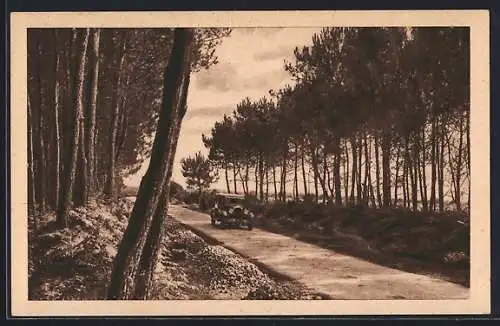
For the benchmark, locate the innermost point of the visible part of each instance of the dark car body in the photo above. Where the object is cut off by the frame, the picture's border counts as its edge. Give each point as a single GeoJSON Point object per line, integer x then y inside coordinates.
{"type": "Point", "coordinates": [229, 211]}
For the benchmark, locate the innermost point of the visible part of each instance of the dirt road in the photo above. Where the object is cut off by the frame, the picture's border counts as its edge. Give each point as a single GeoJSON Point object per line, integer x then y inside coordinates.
{"type": "Point", "coordinates": [338, 276]}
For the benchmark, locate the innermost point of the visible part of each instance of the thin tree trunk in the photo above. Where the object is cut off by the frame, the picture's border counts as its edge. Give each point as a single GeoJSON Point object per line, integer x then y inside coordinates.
{"type": "Point", "coordinates": [227, 179]}
{"type": "Point", "coordinates": [72, 159]}
{"type": "Point", "coordinates": [458, 194]}
{"type": "Point", "coordinates": [234, 179]}
{"type": "Point", "coordinates": [405, 181]}
{"type": "Point", "coordinates": [367, 170]}
{"type": "Point", "coordinates": [424, 175]}
{"type": "Point", "coordinates": [274, 183]}
{"type": "Point", "coordinates": [91, 132]}
{"type": "Point", "coordinates": [377, 171]}
{"type": "Point", "coordinates": [386, 170]}
{"type": "Point", "coordinates": [42, 166]}
{"type": "Point", "coordinates": [283, 174]}
{"type": "Point", "coordinates": [346, 173]}
{"type": "Point", "coordinates": [336, 174]}
{"type": "Point", "coordinates": [467, 149]}
{"type": "Point", "coordinates": [433, 165]}
{"type": "Point", "coordinates": [304, 179]}
{"type": "Point", "coordinates": [256, 174]}
{"type": "Point", "coordinates": [31, 174]}
{"type": "Point", "coordinates": [261, 177]}
{"type": "Point", "coordinates": [354, 168]}
{"type": "Point", "coordinates": [441, 166]}
{"type": "Point", "coordinates": [124, 277]}
{"type": "Point", "coordinates": [246, 179]}
{"type": "Point", "coordinates": [325, 184]}
{"type": "Point", "coordinates": [453, 173]}
{"type": "Point", "coordinates": [267, 183]}
{"type": "Point", "coordinates": [370, 182]}
{"type": "Point", "coordinates": [296, 174]}
{"type": "Point", "coordinates": [314, 161]}
{"type": "Point", "coordinates": [397, 178]}
{"type": "Point", "coordinates": [414, 181]}
{"type": "Point", "coordinates": [418, 171]}
{"type": "Point", "coordinates": [82, 172]}
{"type": "Point", "coordinates": [57, 176]}
{"type": "Point", "coordinates": [329, 179]}
{"type": "Point", "coordinates": [110, 190]}
{"type": "Point", "coordinates": [359, 191]}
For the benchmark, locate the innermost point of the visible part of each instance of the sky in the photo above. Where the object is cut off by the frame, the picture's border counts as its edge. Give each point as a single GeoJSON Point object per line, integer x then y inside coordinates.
{"type": "Point", "coordinates": [251, 62]}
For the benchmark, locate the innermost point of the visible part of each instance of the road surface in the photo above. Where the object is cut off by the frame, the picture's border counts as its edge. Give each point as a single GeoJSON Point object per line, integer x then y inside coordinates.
{"type": "Point", "coordinates": [338, 276]}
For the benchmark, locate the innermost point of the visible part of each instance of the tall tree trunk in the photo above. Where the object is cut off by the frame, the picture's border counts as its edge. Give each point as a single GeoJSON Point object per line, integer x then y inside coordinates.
{"type": "Point", "coordinates": [354, 168]}
{"type": "Point", "coordinates": [370, 182]}
{"type": "Point", "coordinates": [68, 114]}
{"type": "Point", "coordinates": [157, 230]}
{"type": "Point", "coordinates": [414, 180]}
{"type": "Point", "coordinates": [57, 176]}
{"type": "Point", "coordinates": [405, 180]}
{"type": "Point", "coordinates": [124, 278]}
{"type": "Point", "coordinates": [329, 180]}
{"type": "Point", "coordinates": [424, 175]}
{"type": "Point", "coordinates": [441, 166]}
{"type": "Point", "coordinates": [91, 126]}
{"type": "Point", "coordinates": [256, 174]}
{"type": "Point", "coordinates": [346, 174]}
{"type": "Point", "coordinates": [397, 178]}
{"type": "Point", "coordinates": [283, 174]}
{"type": "Point", "coordinates": [386, 169]}
{"type": "Point", "coordinates": [70, 172]}
{"type": "Point", "coordinates": [261, 177]}
{"type": "Point", "coordinates": [458, 194]}
{"type": "Point", "coordinates": [42, 165]}
{"type": "Point", "coordinates": [242, 179]}
{"type": "Point", "coordinates": [377, 171]}
{"type": "Point", "coordinates": [304, 177]}
{"type": "Point", "coordinates": [295, 173]}
{"type": "Point", "coordinates": [418, 171]}
{"type": "Point", "coordinates": [467, 149]}
{"type": "Point", "coordinates": [246, 179]}
{"type": "Point", "coordinates": [433, 165]}
{"type": "Point", "coordinates": [367, 170]}
{"type": "Point", "coordinates": [227, 178]}
{"type": "Point", "coordinates": [274, 183]}
{"type": "Point", "coordinates": [82, 173]}
{"type": "Point", "coordinates": [316, 186]}
{"type": "Point", "coordinates": [336, 174]}
{"type": "Point", "coordinates": [314, 161]}
{"type": "Point", "coordinates": [31, 171]}
{"type": "Point", "coordinates": [359, 191]}
{"type": "Point", "coordinates": [325, 184]}
{"type": "Point", "coordinates": [411, 174]}
{"type": "Point", "coordinates": [110, 188]}
{"type": "Point", "coordinates": [234, 179]}
{"type": "Point", "coordinates": [267, 183]}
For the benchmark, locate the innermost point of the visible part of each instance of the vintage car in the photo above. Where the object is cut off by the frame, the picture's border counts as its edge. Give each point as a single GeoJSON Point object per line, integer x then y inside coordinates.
{"type": "Point", "coordinates": [229, 211]}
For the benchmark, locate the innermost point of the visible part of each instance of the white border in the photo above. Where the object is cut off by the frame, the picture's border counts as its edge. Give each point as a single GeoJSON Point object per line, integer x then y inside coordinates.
{"type": "Point", "coordinates": [478, 20]}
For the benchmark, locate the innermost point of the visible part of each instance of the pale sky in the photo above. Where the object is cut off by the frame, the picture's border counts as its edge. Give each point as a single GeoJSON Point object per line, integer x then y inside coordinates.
{"type": "Point", "coordinates": [251, 62]}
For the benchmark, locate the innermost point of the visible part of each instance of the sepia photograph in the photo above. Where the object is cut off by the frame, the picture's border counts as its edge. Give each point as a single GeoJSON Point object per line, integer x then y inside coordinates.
{"type": "Point", "coordinates": [260, 164]}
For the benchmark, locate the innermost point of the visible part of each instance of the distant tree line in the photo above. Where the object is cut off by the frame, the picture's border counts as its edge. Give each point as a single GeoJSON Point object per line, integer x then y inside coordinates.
{"type": "Point", "coordinates": [94, 97]}
{"type": "Point", "coordinates": [377, 116]}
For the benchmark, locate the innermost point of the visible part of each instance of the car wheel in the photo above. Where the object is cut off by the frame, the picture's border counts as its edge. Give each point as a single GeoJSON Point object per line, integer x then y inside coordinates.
{"type": "Point", "coordinates": [250, 227]}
